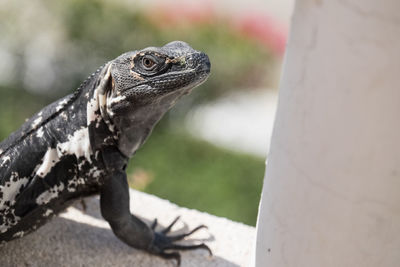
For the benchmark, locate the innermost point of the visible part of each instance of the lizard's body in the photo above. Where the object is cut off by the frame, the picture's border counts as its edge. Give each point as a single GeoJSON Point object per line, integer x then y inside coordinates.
{"type": "Point", "coordinates": [80, 144]}
{"type": "Point", "coordinates": [48, 167]}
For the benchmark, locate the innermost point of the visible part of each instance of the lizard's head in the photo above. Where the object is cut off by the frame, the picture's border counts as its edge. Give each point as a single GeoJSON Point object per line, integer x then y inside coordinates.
{"type": "Point", "coordinates": [149, 74]}
{"type": "Point", "coordinates": [143, 85]}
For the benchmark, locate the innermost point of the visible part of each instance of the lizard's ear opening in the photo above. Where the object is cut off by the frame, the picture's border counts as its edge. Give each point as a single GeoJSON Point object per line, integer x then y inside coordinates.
{"type": "Point", "coordinates": [106, 83]}
{"type": "Point", "coordinates": [105, 89]}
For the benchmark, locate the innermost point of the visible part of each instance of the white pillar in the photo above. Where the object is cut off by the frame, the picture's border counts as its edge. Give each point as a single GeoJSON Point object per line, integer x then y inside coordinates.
{"type": "Point", "coordinates": [331, 195]}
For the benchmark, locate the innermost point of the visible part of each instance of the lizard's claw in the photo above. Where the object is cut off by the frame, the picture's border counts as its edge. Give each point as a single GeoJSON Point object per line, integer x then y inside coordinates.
{"type": "Point", "coordinates": [163, 243]}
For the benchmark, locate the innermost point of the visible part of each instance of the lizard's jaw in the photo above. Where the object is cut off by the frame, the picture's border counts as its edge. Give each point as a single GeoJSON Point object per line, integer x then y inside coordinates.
{"type": "Point", "coordinates": [195, 71]}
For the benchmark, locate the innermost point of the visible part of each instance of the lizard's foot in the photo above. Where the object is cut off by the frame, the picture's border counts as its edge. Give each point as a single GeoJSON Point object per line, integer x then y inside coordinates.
{"type": "Point", "coordinates": [163, 243]}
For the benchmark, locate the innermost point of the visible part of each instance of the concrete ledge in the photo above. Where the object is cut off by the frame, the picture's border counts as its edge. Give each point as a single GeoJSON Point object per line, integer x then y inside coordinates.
{"type": "Point", "coordinates": [75, 238]}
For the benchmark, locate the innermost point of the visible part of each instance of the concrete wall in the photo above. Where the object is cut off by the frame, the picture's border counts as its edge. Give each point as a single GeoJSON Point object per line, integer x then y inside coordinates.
{"type": "Point", "coordinates": [331, 195]}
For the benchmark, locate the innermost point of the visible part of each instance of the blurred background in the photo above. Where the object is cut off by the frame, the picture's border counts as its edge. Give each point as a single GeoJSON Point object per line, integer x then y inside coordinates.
{"type": "Point", "coordinates": [208, 153]}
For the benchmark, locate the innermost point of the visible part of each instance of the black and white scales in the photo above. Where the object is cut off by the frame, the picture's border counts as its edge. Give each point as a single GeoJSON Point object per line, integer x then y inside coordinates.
{"type": "Point", "coordinates": [80, 145]}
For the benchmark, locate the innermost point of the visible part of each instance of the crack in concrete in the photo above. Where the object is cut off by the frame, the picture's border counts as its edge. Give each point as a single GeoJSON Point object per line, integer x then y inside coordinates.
{"type": "Point", "coordinates": [368, 13]}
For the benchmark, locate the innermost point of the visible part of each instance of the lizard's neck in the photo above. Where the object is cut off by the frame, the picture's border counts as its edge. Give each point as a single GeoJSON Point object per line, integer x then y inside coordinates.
{"type": "Point", "coordinates": [135, 124]}
{"type": "Point", "coordinates": [97, 103]}
{"type": "Point", "coordinates": [101, 127]}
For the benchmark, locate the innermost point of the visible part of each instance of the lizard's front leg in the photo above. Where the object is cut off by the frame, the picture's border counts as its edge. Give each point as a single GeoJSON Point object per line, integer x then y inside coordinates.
{"type": "Point", "coordinates": [114, 201]}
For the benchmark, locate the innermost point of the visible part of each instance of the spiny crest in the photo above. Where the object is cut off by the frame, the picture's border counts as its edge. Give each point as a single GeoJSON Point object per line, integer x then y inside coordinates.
{"type": "Point", "coordinates": [74, 96]}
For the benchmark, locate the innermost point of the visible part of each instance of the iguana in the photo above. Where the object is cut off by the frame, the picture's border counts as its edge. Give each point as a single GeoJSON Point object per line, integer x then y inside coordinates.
{"type": "Point", "coordinates": [80, 145]}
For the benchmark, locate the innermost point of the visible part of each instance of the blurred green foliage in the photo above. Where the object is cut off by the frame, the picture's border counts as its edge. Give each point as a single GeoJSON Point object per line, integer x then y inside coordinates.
{"type": "Point", "coordinates": [111, 29]}
{"type": "Point", "coordinates": [65, 41]}
{"type": "Point", "coordinates": [15, 106]}
{"type": "Point", "coordinates": [88, 33]}
{"type": "Point", "coordinates": [196, 174]}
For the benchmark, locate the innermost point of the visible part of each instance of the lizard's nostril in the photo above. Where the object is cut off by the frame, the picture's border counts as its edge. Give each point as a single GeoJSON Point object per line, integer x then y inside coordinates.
{"type": "Point", "coordinates": [201, 62]}
{"type": "Point", "coordinates": [207, 62]}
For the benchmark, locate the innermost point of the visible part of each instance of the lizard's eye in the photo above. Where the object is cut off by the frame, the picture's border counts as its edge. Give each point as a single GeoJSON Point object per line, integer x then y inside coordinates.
{"type": "Point", "coordinates": [148, 63]}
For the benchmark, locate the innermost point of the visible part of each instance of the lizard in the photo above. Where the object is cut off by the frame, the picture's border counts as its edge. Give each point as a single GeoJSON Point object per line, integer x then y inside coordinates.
{"type": "Point", "coordinates": [80, 145]}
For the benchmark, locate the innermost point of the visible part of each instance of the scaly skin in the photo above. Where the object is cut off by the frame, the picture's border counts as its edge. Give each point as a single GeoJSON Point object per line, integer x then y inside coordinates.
{"type": "Point", "coordinates": [80, 145]}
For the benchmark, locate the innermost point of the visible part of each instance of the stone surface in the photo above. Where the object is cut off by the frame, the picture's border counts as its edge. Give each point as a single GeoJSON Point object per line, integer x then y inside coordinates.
{"type": "Point", "coordinates": [77, 238]}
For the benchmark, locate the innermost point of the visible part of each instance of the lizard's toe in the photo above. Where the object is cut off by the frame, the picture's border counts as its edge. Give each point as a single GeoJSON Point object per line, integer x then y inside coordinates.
{"type": "Point", "coordinates": [163, 243]}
